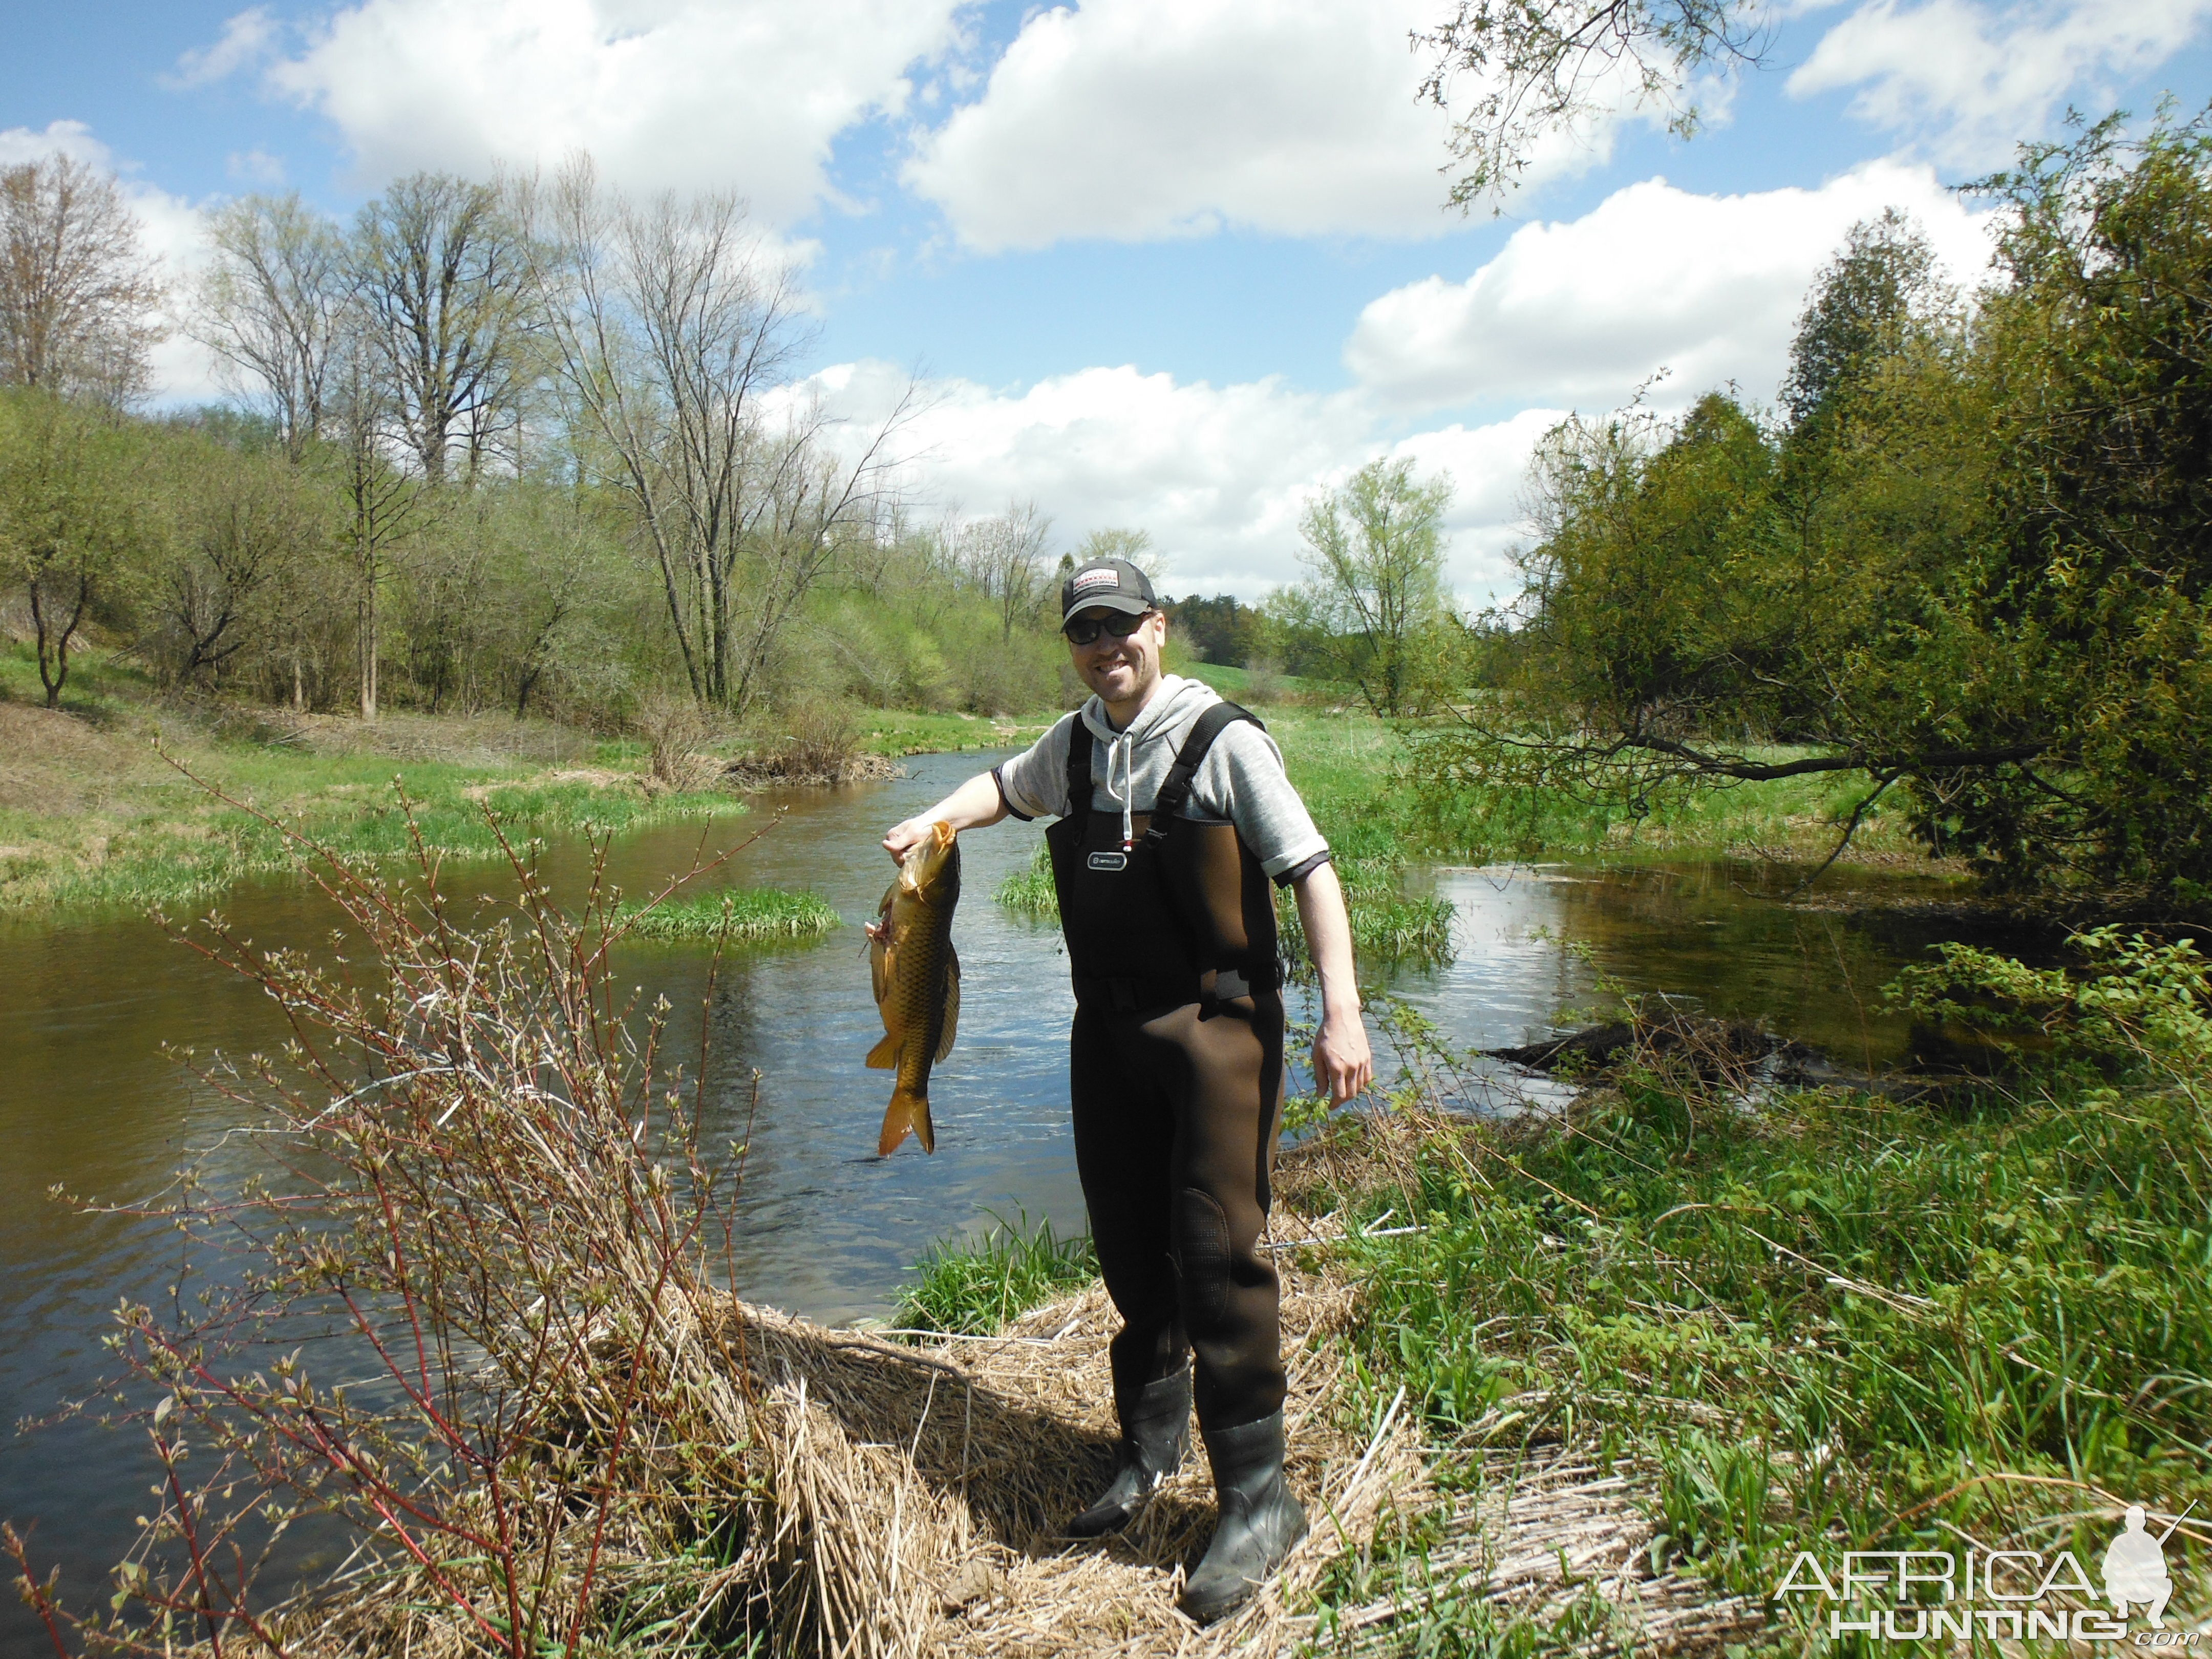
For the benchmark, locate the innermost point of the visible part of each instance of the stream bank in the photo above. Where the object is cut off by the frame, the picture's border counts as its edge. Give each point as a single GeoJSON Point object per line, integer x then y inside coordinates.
{"type": "Point", "coordinates": [92, 1102]}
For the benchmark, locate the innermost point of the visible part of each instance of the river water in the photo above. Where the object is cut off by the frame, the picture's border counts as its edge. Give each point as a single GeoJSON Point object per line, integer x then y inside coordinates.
{"type": "Point", "coordinates": [90, 1100]}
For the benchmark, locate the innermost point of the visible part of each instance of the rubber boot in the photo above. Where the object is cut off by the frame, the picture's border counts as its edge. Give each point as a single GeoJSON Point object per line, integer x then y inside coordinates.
{"type": "Point", "coordinates": [1259, 1524]}
{"type": "Point", "coordinates": [1155, 1436]}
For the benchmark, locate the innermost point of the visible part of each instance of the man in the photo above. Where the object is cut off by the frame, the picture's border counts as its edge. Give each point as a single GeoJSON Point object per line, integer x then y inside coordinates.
{"type": "Point", "coordinates": [1174, 813]}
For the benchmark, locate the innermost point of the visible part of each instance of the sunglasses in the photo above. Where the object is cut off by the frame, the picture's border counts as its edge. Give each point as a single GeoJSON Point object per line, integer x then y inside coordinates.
{"type": "Point", "coordinates": [1120, 625]}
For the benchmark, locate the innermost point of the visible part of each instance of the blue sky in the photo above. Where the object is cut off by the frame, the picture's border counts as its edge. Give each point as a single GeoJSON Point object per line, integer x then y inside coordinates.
{"type": "Point", "coordinates": [1168, 263]}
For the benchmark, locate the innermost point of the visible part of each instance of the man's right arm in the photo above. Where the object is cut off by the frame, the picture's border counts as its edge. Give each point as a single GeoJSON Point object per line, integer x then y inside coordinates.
{"type": "Point", "coordinates": [971, 806]}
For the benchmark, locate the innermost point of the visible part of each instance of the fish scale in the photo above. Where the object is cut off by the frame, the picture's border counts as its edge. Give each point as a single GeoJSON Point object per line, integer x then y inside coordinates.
{"type": "Point", "coordinates": [916, 976]}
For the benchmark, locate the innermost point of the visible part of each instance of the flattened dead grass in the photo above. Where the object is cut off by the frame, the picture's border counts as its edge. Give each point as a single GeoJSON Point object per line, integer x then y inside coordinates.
{"type": "Point", "coordinates": [933, 1480]}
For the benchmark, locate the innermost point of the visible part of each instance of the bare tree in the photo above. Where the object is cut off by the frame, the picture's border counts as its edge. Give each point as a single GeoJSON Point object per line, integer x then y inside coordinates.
{"type": "Point", "coordinates": [441, 278]}
{"type": "Point", "coordinates": [1004, 556]}
{"type": "Point", "coordinates": [1540, 66]}
{"type": "Point", "coordinates": [272, 306]}
{"type": "Point", "coordinates": [675, 337]}
{"type": "Point", "coordinates": [383, 501]}
{"type": "Point", "coordinates": [77, 293]}
{"type": "Point", "coordinates": [1122, 542]}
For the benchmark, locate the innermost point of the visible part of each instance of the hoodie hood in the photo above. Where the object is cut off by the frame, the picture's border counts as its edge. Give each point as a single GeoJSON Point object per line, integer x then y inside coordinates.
{"type": "Point", "coordinates": [1174, 706]}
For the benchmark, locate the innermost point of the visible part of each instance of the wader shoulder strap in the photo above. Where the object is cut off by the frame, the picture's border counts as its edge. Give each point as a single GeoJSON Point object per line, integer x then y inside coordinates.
{"type": "Point", "coordinates": [1175, 790]}
{"type": "Point", "coordinates": [1079, 768]}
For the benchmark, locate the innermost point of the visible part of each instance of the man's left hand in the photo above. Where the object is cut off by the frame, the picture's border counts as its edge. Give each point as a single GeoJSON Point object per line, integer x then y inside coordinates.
{"type": "Point", "coordinates": [1342, 1066]}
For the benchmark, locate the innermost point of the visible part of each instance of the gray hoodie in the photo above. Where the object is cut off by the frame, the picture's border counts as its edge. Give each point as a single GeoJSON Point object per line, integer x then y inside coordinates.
{"type": "Point", "coordinates": [1240, 782]}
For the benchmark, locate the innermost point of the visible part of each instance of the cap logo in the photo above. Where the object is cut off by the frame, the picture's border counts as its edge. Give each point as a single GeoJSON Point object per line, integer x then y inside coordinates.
{"type": "Point", "coordinates": [1087, 579]}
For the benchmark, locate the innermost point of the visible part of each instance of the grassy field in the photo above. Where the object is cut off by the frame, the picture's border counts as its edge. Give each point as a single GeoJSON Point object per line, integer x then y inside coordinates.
{"type": "Point", "coordinates": [91, 813]}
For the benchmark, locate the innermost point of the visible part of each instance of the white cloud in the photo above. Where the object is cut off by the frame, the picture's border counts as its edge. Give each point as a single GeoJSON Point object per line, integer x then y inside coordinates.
{"type": "Point", "coordinates": [743, 94]}
{"type": "Point", "coordinates": [1706, 287]}
{"type": "Point", "coordinates": [1138, 119]}
{"type": "Point", "coordinates": [1489, 468]}
{"type": "Point", "coordinates": [21, 144]}
{"type": "Point", "coordinates": [1974, 80]}
{"type": "Point", "coordinates": [246, 40]}
{"type": "Point", "coordinates": [1218, 474]}
{"type": "Point", "coordinates": [257, 167]}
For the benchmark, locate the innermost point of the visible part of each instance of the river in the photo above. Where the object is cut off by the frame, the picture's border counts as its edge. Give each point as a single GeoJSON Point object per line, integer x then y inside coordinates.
{"type": "Point", "coordinates": [91, 1100]}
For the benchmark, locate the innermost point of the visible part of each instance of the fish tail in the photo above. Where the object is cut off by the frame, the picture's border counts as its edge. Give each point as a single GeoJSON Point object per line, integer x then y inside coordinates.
{"type": "Point", "coordinates": [907, 1110]}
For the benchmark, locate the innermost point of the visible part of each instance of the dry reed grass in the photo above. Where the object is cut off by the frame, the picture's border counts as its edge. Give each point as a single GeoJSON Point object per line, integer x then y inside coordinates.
{"type": "Point", "coordinates": [915, 1495]}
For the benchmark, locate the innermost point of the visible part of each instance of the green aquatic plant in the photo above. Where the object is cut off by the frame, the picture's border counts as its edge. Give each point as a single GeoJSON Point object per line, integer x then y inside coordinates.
{"type": "Point", "coordinates": [1387, 925]}
{"type": "Point", "coordinates": [1030, 890]}
{"type": "Point", "coordinates": [735, 915]}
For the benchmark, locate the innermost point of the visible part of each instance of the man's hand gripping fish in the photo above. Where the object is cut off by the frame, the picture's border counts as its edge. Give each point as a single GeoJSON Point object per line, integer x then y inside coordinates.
{"type": "Point", "coordinates": [917, 981]}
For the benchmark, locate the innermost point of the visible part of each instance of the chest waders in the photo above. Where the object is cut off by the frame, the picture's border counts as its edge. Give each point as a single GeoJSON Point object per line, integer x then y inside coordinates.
{"type": "Point", "coordinates": [1176, 1078]}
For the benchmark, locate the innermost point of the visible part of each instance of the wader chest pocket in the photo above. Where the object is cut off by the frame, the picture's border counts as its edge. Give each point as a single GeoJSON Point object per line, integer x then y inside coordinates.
{"type": "Point", "coordinates": [1109, 860]}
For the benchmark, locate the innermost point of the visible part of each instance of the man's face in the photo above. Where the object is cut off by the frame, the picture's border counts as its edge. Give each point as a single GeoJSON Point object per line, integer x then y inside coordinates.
{"type": "Point", "coordinates": [1120, 670]}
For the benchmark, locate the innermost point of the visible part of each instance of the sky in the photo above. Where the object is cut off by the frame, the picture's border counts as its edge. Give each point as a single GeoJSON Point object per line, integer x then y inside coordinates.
{"type": "Point", "coordinates": [1173, 264]}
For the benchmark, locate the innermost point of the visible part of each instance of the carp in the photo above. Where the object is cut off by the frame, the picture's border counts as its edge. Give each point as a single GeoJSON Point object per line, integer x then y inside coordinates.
{"type": "Point", "coordinates": [917, 982]}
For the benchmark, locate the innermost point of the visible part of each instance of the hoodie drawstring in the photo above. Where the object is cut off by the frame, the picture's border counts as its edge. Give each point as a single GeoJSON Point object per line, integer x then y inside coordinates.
{"type": "Point", "coordinates": [1125, 747]}
{"type": "Point", "coordinates": [1176, 695]}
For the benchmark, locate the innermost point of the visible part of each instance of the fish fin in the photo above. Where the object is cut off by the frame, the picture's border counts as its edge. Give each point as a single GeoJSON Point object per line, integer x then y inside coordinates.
{"type": "Point", "coordinates": [951, 1004]}
{"type": "Point", "coordinates": [885, 1056]}
{"type": "Point", "coordinates": [906, 1112]}
{"type": "Point", "coordinates": [879, 967]}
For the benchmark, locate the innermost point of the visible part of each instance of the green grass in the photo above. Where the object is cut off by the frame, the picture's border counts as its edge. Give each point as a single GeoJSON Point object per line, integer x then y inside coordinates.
{"type": "Point", "coordinates": [907, 731]}
{"type": "Point", "coordinates": [1030, 890]}
{"type": "Point", "coordinates": [974, 1287]}
{"type": "Point", "coordinates": [735, 913]}
{"type": "Point", "coordinates": [1387, 925]}
{"type": "Point", "coordinates": [91, 815]}
{"type": "Point", "coordinates": [1258, 691]}
{"type": "Point", "coordinates": [1831, 1323]}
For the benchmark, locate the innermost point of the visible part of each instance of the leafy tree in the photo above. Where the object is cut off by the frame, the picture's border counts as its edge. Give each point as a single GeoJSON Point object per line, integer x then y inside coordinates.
{"type": "Point", "coordinates": [233, 526]}
{"type": "Point", "coordinates": [1864, 304]}
{"type": "Point", "coordinates": [1974, 568]}
{"type": "Point", "coordinates": [1223, 629]}
{"type": "Point", "coordinates": [70, 517]}
{"type": "Point", "coordinates": [2099, 355]}
{"type": "Point", "coordinates": [1376, 549]}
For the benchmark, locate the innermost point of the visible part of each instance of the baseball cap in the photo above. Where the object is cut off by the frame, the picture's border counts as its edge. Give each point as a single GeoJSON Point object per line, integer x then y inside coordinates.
{"type": "Point", "coordinates": [1109, 584]}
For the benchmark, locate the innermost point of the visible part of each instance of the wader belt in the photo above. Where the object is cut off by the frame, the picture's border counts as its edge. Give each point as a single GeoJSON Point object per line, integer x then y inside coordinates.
{"type": "Point", "coordinates": [1130, 996]}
